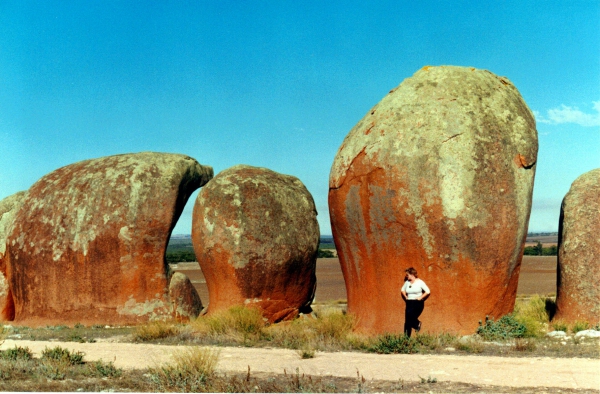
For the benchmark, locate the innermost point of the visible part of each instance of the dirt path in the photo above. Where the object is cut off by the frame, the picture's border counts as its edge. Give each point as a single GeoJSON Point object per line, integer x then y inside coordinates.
{"type": "Point", "coordinates": [575, 373]}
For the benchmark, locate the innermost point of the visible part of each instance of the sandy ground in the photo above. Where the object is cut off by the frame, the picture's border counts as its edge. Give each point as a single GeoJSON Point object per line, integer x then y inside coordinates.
{"type": "Point", "coordinates": [573, 373]}
{"type": "Point", "coordinates": [537, 276]}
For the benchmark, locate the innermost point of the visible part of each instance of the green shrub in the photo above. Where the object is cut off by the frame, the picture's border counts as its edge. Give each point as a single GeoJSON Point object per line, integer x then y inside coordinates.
{"type": "Point", "coordinates": [505, 327]}
{"type": "Point", "coordinates": [104, 369]}
{"type": "Point", "coordinates": [60, 354]}
{"type": "Point", "coordinates": [16, 353]}
{"type": "Point", "coordinates": [394, 343]}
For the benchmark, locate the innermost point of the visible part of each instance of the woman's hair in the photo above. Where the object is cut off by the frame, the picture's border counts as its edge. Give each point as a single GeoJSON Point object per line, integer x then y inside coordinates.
{"type": "Point", "coordinates": [411, 271]}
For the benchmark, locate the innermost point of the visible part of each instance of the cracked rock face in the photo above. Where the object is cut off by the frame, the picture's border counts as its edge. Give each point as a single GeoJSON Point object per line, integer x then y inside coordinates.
{"type": "Point", "coordinates": [8, 210]}
{"type": "Point", "coordinates": [88, 244]}
{"type": "Point", "coordinates": [255, 234]}
{"type": "Point", "coordinates": [578, 273]}
{"type": "Point", "coordinates": [437, 176]}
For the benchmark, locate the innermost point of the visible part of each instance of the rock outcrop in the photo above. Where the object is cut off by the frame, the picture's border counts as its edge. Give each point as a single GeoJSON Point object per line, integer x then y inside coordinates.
{"type": "Point", "coordinates": [578, 272]}
{"type": "Point", "coordinates": [437, 176]}
{"type": "Point", "coordinates": [8, 210]}
{"type": "Point", "coordinates": [89, 242]}
{"type": "Point", "coordinates": [184, 297]}
{"type": "Point", "coordinates": [255, 234]}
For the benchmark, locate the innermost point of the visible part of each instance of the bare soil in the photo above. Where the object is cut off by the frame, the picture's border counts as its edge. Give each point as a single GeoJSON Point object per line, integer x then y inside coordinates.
{"type": "Point", "coordinates": [538, 276]}
{"type": "Point", "coordinates": [450, 371]}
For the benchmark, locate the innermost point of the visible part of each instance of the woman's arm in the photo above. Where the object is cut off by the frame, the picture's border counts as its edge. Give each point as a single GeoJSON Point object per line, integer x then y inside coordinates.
{"type": "Point", "coordinates": [425, 290]}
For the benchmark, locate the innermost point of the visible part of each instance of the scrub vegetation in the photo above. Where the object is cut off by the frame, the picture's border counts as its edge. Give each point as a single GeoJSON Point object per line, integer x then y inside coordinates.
{"type": "Point", "coordinates": [329, 328]}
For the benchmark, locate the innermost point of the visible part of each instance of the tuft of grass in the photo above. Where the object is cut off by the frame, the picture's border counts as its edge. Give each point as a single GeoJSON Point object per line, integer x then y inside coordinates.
{"type": "Point", "coordinates": [190, 371]}
{"type": "Point", "coordinates": [471, 345]}
{"type": "Point", "coordinates": [394, 343]}
{"type": "Point", "coordinates": [560, 325]}
{"type": "Point", "coordinates": [580, 326]}
{"type": "Point", "coordinates": [155, 330]}
{"type": "Point", "coordinates": [331, 324]}
{"type": "Point", "coordinates": [524, 345]}
{"type": "Point", "coordinates": [307, 351]}
{"type": "Point", "coordinates": [533, 315]}
{"type": "Point", "coordinates": [505, 327]}
{"type": "Point", "coordinates": [239, 324]}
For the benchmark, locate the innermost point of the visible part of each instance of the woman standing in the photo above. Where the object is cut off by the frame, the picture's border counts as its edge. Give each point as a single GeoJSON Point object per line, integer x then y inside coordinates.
{"type": "Point", "coordinates": [415, 292]}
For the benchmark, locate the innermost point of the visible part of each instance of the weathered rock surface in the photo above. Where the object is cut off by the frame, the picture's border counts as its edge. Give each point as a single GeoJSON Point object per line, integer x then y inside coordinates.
{"type": "Point", "coordinates": [88, 244]}
{"type": "Point", "coordinates": [255, 234]}
{"type": "Point", "coordinates": [8, 210]}
{"type": "Point", "coordinates": [437, 176]}
{"type": "Point", "coordinates": [578, 271]}
{"type": "Point", "coordinates": [184, 297]}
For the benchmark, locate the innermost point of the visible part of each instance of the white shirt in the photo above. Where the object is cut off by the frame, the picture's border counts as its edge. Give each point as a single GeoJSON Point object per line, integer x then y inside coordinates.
{"type": "Point", "coordinates": [415, 289]}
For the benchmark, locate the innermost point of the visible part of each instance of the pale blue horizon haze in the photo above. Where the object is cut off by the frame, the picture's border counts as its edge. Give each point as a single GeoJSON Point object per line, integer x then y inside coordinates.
{"type": "Point", "coordinates": [278, 84]}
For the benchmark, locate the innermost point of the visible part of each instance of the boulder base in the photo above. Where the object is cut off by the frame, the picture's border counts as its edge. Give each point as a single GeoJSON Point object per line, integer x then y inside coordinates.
{"type": "Point", "coordinates": [438, 176]}
{"type": "Point", "coordinates": [578, 273]}
{"type": "Point", "coordinates": [256, 236]}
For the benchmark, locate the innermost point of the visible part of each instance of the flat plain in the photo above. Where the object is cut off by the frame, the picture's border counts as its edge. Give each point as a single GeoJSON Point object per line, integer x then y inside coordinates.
{"type": "Point", "coordinates": [537, 276]}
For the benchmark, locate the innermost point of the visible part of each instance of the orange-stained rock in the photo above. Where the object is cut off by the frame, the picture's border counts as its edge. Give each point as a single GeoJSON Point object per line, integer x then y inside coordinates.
{"type": "Point", "coordinates": [88, 244]}
{"type": "Point", "coordinates": [184, 297]}
{"type": "Point", "coordinates": [255, 234]}
{"type": "Point", "coordinates": [437, 176]}
{"type": "Point", "coordinates": [8, 209]}
{"type": "Point", "coordinates": [578, 272]}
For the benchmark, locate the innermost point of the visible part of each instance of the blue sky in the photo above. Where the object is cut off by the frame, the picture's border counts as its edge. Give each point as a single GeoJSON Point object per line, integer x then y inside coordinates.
{"type": "Point", "coordinates": [278, 84]}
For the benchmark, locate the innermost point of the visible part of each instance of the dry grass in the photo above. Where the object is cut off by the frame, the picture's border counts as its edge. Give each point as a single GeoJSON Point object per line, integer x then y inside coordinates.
{"type": "Point", "coordinates": [533, 314]}
{"type": "Point", "coordinates": [155, 330]}
{"type": "Point", "coordinates": [191, 371]}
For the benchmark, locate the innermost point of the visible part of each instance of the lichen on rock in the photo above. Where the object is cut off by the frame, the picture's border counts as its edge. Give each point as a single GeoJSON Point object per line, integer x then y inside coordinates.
{"type": "Point", "coordinates": [438, 176]}
{"type": "Point", "coordinates": [578, 271]}
{"type": "Point", "coordinates": [256, 237]}
{"type": "Point", "coordinates": [90, 241]}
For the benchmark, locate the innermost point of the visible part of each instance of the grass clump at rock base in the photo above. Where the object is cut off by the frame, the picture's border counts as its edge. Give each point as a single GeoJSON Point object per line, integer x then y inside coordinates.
{"type": "Point", "coordinates": [155, 330]}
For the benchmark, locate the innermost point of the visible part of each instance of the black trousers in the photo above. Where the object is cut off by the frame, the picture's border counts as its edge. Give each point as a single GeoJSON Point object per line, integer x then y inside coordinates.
{"type": "Point", "coordinates": [414, 308]}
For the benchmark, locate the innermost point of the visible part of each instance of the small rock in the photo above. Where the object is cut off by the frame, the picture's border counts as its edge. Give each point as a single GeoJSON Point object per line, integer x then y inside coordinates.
{"type": "Point", "coordinates": [450, 349]}
{"type": "Point", "coordinates": [563, 343]}
{"type": "Point", "coordinates": [588, 334]}
{"type": "Point", "coordinates": [556, 334]}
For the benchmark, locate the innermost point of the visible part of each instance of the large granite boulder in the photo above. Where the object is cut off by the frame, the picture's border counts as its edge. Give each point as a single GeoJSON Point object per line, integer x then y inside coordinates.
{"type": "Point", "coordinates": [184, 297]}
{"type": "Point", "coordinates": [89, 242]}
{"type": "Point", "coordinates": [578, 273]}
{"type": "Point", "coordinates": [437, 176]}
{"type": "Point", "coordinates": [255, 234]}
{"type": "Point", "coordinates": [8, 210]}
